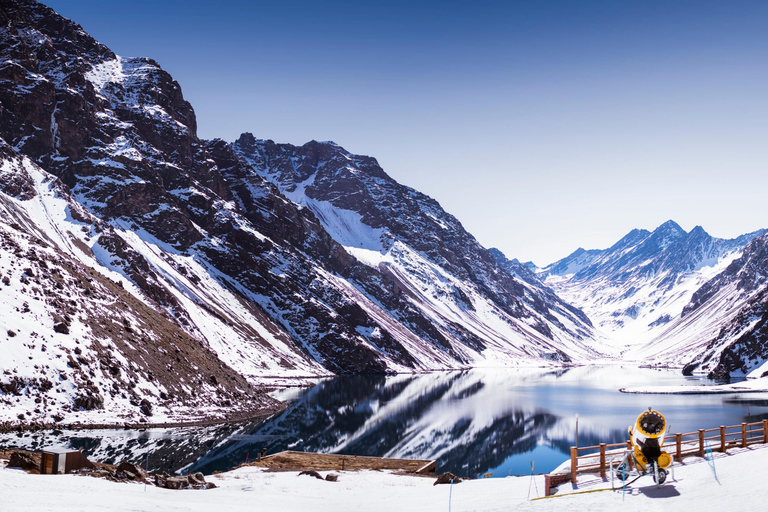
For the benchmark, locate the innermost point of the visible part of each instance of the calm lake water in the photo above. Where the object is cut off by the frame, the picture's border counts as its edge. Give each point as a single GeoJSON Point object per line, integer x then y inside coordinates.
{"type": "Point", "coordinates": [472, 422]}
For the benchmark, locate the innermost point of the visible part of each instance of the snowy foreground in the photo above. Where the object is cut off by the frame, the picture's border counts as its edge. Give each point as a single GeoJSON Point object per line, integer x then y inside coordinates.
{"type": "Point", "coordinates": [740, 485]}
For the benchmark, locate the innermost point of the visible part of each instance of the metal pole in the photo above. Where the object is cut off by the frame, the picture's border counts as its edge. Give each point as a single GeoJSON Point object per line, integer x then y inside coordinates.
{"type": "Point", "coordinates": [146, 469]}
{"type": "Point", "coordinates": [577, 430]}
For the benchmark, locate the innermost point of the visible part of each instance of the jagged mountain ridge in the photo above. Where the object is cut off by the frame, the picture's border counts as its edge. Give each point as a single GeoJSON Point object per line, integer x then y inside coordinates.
{"type": "Point", "coordinates": [637, 286]}
{"type": "Point", "coordinates": [408, 236]}
{"type": "Point", "coordinates": [723, 330]}
{"type": "Point", "coordinates": [191, 231]}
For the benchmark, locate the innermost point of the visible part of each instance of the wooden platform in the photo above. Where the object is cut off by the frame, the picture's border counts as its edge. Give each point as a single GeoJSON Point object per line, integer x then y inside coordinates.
{"type": "Point", "coordinates": [302, 461]}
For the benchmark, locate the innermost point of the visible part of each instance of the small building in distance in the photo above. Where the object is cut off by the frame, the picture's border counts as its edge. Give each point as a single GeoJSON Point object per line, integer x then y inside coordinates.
{"type": "Point", "coordinates": [62, 460]}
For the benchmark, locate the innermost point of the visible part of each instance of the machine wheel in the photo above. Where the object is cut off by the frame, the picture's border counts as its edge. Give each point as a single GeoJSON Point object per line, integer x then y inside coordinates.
{"type": "Point", "coordinates": [660, 475]}
{"type": "Point", "coordinates": [622, 472]}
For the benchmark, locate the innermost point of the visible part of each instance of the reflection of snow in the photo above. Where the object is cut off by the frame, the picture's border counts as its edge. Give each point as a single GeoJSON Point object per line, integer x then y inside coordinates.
{"type": "Point", "coordinates": [476, 420]}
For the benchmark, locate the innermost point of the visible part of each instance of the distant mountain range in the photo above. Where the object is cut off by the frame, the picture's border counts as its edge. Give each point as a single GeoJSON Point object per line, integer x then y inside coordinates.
{"type": "Point", "coordinates": [644, 292]}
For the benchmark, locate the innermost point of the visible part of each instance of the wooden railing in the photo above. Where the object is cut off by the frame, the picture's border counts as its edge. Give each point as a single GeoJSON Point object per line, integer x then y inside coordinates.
{"type": "Point", "coordinates": [690, 443]}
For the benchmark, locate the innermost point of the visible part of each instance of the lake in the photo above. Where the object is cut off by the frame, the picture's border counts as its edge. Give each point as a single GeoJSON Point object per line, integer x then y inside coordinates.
{"type": "Point", "coordinates": [473, 422]}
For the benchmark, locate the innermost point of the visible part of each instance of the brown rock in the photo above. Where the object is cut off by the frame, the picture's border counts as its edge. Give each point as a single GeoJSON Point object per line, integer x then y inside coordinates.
{"type": "Point", "coordinates": [128, 471]}
{"type": "Point", "coordinates": [193, 481]}
{"type": "Point", "coordinates": [447, 478]}
{"type": "Point", "coordinates": [312, 473]}
{"type": "Point", "coordinates": [24, 461]}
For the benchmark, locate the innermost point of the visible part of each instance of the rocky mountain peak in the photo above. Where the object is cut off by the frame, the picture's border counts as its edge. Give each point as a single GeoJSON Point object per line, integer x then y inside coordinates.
{"type": "Point", "coordinates": [666, 235]}
{"type": "Point", "coordinates": [266, 260]}
{"type": "Point", "coordinates": [644, 281]}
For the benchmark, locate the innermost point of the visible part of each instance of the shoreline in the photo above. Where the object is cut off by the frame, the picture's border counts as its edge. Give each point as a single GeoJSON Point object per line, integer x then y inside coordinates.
{"type": "Point", "coordinates": [8, 427]}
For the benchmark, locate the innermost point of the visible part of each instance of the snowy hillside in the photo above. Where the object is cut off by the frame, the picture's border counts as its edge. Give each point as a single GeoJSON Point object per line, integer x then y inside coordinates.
{"type": "Point", "coordinates": [488, 315]}
{"type": "Point", "coordinates": [341, 270]}
{"type": "Point", "coordinates": [724, 328]}
{"type": "Point", "coordinates": [80, 343]}
{"type": "Point", "coordinates": [633, 290]}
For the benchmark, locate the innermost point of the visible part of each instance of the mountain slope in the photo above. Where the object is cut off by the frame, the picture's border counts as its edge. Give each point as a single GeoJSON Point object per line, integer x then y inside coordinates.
{"type": "Point", "coordinates": [83, 345]}
{"type": "Point", "coordinates": [634, 288]}
{"type": "Point", "coordinates": [426, 252]}
{"type": "Point", "coordinates": [723, 331]}
{"type": "Point", "coordinates": [265, 284]}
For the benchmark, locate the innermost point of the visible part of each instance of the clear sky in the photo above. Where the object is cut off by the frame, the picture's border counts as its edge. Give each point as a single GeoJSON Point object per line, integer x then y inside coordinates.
{"type": "Point", "coordinates": [543, 125]}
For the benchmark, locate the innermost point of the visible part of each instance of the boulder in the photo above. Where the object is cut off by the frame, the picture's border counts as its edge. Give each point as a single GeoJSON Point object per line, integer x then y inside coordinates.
{"type": "Point", "coordinates": [193, 481]}
{"type": "Point", "coordinates": [145, 407]}
{"type": "Point", "coordinates": [128, 471]}
{"type": "Point", "coordinates": [312, 473]}
{"type": "Point", "coordinates": [24, 461]}
{"type": "Point", "coordinates": [447, 478]}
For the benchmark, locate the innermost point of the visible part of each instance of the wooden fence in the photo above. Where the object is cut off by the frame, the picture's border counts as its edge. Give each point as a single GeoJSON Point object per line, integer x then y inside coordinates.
{"type": "Point", "coordinates": [597, 458]}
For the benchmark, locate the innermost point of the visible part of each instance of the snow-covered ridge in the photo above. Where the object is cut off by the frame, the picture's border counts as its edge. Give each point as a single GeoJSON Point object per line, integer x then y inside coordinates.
{"type": "Point", "coordinates": [634, 290]}
{"type": "Point", "coordinates": [437, 266]}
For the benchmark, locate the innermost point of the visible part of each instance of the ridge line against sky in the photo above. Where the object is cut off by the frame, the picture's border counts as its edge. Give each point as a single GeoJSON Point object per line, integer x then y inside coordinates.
{"type": "Point", "coordinates": [542, 126]}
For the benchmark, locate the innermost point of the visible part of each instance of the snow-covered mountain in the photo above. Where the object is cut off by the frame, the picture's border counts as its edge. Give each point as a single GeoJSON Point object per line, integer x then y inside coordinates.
{"type": "Point", "coordinates": [79, 341]}
{"type": "Point", "coordinates": [239, 262]}
{"type": "Point", "coordinates": [634, 289]}
{"type": "Point", "coordinates": [723, 331]}
{"type": "Point", "coordinates": [485, 312]}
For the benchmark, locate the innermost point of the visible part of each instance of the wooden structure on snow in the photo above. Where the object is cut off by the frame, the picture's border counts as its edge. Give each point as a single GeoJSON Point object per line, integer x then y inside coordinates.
{"type": "Point", "coordinates": [62, 460]}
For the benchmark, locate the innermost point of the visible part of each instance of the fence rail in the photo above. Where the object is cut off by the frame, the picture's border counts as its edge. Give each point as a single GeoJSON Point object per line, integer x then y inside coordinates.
{"type": "Point", "coordinates": [689, 443]}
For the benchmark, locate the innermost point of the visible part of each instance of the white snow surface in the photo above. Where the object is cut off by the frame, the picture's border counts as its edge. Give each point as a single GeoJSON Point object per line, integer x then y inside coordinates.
{"type": "Point", "coordinates": [625, 313]}
{"type": "Point", "coordinates": [739, 485]}
{"type": "Point", "coordinates": [757, 385]}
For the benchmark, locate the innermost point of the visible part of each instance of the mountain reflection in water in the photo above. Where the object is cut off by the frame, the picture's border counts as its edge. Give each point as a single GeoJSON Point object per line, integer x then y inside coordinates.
{"type": "Point", "coordinates": [471, 422]}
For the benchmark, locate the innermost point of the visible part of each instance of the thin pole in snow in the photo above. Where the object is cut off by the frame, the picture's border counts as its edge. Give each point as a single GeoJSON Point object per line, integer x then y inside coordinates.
{"type": "Point", "coordinates": [577, 430]}
{"type": "Point", "coordinates": [146, 469]}
{"type": "Point", "coordinates": [624, 465]}
{"type": "Point", "coordinates": [711, 462]}
{"type": "Point", "coordinates": [533, 481]}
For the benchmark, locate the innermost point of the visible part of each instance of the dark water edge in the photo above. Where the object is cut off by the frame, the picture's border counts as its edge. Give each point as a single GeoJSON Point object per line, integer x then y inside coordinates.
{"type": "Point", "coordinates": [472, 422]}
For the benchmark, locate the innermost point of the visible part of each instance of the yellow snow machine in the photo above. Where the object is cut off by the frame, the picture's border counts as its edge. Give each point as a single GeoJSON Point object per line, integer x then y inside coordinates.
{"type": "Point", "coordinates": [647, 438]}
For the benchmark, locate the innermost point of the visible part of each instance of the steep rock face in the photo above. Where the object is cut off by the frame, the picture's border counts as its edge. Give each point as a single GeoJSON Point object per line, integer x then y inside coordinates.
{"type": "Point", "coordinates": [723, 331]}
{"type": "Point", "coordinates": [240, 267]}
{"type": "Point", "coordinates": [201, 235]}
{"type": "Point", "coordinates": [78, 344]}
{"type": "Point", "coordinates": [425, 251]}
{"type": "Point", "coordinates": [635, 288]}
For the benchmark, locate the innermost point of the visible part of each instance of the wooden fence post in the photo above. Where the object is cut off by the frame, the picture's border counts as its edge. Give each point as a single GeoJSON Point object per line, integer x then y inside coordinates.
{"type": "Point", "coordinates": [743, 435]}
{"type": "Point", "coordinates": [723, 448]}
{"type": "Point", "coordinates": [679, 447]}
{"type": "Point", "coordinates": [765, 431]}
{"type": "Point", "coordinates": [547, 483]}
{"type": "Point", "coordinates": [602, 460]}
{"type": "Point", "coordinates": [631, 459]}
{"type": "Point", "coordinates": [702, 453]}
{"type": "Point", "coordinates": [574, 463]}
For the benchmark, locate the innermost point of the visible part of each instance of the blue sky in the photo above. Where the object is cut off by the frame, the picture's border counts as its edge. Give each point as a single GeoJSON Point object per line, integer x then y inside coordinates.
{"type": "Point", "coordinates": [542, 125]}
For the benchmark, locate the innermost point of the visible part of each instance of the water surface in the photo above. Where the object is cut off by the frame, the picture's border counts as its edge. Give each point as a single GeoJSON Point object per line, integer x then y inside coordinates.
{"type": "Point", "coordinates": [472, 422]}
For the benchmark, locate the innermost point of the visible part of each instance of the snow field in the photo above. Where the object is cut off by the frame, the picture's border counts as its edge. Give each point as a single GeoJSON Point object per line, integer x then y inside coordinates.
{"type": "Point", "coordinates": [739, 486]}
